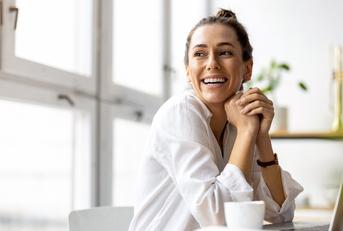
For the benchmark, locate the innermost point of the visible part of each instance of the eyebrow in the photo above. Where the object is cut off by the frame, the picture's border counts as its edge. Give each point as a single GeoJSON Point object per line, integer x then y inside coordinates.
{"type": "Point", "coordinates": [219, 45]}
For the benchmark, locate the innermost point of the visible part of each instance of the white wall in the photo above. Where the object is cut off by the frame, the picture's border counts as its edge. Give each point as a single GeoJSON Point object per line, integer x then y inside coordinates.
{"type": "Point", "coordinates": [301, 33]}
{"type": "Point", "coordinates": [316, 165]}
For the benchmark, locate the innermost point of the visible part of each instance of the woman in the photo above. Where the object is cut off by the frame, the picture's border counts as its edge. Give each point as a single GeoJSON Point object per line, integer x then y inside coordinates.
{"type": "Point", "coordinates": [211, 145]}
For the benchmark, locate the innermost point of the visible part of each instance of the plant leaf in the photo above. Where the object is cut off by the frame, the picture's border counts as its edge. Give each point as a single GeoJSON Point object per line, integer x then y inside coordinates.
{"type": "Point", "coordinates": [267, 89]}
{"type": "Point", "coordinates": [274, 83]}
{"type": "Point", "coordinates": [284, 66]}
{"type": "Point", "coordinates": [260, 77]}
{"type": "Point", "coordinates": [302, 86]}
{"type": "Point", "coordinates": [273, 64]}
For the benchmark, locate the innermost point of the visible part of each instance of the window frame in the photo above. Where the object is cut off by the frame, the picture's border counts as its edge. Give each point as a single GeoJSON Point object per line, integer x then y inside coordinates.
{"type": "Point", "coordinates": [109, 113]}
{"type": "Point", "coordinates": [118, 101]}
{"type": "Point", "coordinates": [36, 95]}
{"type": "Point", "coordinates": [26, 69]}
{"type": "Point", "coordinates": [121, 94]}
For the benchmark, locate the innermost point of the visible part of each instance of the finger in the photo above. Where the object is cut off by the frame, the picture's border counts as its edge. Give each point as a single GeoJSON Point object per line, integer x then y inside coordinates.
{"type": "Point", "coordinates": [256, 104]}
{"type": "Point", "coordinates": [266, 112]}
{"type": "Point", "coordinates": [245, 99]}
{"type": "Point", "coordinates": [254, 90]}
{"type": "Point", "coordinates": [236, 96]}
{"type": "Point", "coordinates": [232, 100]}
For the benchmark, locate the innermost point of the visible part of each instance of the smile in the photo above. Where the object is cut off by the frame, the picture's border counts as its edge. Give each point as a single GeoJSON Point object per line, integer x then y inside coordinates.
{"type": "Point", "coordinates": [214, 81]}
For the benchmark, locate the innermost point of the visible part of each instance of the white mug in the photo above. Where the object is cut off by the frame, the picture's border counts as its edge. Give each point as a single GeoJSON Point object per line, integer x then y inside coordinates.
{"type": "Point", "coordinates": [244, 214]}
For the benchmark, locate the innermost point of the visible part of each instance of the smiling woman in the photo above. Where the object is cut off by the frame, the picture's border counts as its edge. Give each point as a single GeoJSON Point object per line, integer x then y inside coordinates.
{"type": "Point", "coordinates": [214, 58]}
{"type": "Point", "coordinates": [210, 145]}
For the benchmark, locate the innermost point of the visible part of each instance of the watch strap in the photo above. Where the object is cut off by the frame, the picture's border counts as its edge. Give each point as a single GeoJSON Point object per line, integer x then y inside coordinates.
{"type": "Point", "coordinates": [269, 163]}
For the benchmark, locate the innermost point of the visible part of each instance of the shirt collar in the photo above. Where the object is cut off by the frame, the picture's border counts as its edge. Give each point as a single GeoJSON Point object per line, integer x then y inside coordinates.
{"type": "Point", "coordinates": [207, 112]}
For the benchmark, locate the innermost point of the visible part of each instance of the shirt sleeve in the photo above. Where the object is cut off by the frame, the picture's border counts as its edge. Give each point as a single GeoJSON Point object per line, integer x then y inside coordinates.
{"type": "Point", "coordinates": [274, 213]}
{"type": "Point", "coordinates": [181, 147]}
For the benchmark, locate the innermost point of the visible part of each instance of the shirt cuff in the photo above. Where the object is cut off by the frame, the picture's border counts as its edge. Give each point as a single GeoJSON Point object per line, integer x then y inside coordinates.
{"type": "Point", "coordinates": [274, 212]}
{"type": "Point", "coordinates": [233, 179]}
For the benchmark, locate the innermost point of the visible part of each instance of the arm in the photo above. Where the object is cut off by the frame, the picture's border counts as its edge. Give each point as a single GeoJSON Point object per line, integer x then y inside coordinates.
{"type": "Point", "coordinates": [241, 154]}
{"type": "Point", "coordinates": [275, 213]}
{"type": "Point", "coordinates": [277, 187]}
{"type": "Point", "coordinates": [247, 130]}
{"type": "Point", "coordinates": [271, 174]}
{"type": "Point", "coordinates": [255, 103]}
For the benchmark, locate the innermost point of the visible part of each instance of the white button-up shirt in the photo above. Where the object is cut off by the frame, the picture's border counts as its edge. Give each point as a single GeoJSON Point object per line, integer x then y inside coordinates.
{"type": "Point", "coordinates": [185, 179]}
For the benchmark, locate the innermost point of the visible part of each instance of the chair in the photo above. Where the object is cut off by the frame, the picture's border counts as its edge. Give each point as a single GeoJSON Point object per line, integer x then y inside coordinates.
{"type": "Point", "coordinates": [101, 219]}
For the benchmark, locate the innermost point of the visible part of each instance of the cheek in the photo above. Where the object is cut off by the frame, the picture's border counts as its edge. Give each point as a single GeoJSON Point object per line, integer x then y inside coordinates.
{"type": "Point", "coordinates": [237, 69]}
{"type": "Point", "coordinates": [194, 69]}
{"type": "Point", "coordinates": [194, 65]}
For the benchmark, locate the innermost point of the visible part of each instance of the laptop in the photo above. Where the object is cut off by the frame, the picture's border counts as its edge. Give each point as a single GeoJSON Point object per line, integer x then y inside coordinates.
{"type": "Point", "coordinates": [336, 223]}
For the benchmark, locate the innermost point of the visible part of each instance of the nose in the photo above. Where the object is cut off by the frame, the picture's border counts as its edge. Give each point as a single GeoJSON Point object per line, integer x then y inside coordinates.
{"type": "Point", "coordinates": [212, 63]}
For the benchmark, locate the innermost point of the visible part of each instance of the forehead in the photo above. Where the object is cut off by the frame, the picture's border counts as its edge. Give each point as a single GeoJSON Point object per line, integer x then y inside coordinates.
{"type": "Point", "coordinates": [214, 34]}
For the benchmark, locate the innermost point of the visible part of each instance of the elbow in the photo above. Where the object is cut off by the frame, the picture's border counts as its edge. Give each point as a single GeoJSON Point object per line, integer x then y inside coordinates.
{"type": "Point", "coordinates": [280, 217]}
{"type": "Point", "coordinates": [206, 216]}
{"type": "Point", "coordinates": [208, 209]}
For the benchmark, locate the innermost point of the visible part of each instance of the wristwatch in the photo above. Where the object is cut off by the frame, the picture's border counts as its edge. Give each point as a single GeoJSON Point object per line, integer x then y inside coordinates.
{"type": "Point", "coordinates": [269, 163]}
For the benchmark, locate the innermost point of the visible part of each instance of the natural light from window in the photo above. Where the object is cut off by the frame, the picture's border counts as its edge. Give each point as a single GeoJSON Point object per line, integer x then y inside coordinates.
{"type": "Point", "coordinates": [39, 165]}
{"type": "Point", "coordinates": [129, 140]}
{"type": "Point", "coordinates": [56, 33]}
{"type": "Point", "coordinates": [137, 45]}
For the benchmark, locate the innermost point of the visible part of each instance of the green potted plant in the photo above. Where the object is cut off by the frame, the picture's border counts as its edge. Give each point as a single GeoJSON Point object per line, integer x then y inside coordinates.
{"type": "Point", "coordinates": [268, 80]}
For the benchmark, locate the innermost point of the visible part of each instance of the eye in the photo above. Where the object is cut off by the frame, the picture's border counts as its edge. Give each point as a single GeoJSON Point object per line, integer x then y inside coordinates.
{"type": "Point", "coordinates": [199, 54]}
{"type": "Point", "coordinates": [225, 53]}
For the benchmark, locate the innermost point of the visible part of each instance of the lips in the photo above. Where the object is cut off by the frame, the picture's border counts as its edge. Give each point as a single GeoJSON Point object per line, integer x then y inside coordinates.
{"type": "Point", "coordinates": [214, 80]}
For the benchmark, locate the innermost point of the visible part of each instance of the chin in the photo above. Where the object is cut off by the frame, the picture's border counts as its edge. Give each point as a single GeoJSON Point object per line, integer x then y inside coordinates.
{"type": "Point", "coordinates": [215, 99]}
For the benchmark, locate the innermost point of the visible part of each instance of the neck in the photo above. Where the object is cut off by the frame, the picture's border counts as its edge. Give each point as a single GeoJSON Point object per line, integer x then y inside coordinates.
{"type": "Point", "coordinates": [218, 119]}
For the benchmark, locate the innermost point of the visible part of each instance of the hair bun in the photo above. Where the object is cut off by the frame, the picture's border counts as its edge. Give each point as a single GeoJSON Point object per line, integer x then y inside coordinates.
{"type": "Point", "coordinates": [226, 14]}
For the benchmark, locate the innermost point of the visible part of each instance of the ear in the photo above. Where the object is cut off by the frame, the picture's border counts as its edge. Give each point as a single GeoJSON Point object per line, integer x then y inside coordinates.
{"type": "Point", "coordinates": [248, 70]}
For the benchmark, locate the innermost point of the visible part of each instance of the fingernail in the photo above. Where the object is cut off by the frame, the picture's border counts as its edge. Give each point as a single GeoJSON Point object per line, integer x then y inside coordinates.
{"type": "Point", "coordinates": [242, 111]}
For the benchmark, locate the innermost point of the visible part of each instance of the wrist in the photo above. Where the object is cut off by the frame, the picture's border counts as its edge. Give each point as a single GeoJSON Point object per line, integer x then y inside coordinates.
{"type": "Point", "coordinates": [262, 137]}
{"type": "Point", "coordinates": [265, 157]}
{"type": "Point", "coordinates": [264, 146]}
{"type": "Point", "coordinates": [248, 132]}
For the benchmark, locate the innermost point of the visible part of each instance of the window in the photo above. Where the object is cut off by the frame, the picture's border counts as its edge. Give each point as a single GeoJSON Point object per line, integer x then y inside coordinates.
{"type": "Point", "coordinates": [80, 81]}
{"type": "Point", "coordinates": [137, 45]}
{"type": "Point", "coordinates": [45, 159]}
{"type": "Point", "coordinates": [132, 89]}
{"type": "Point", "coordinates": [129, 139]}
{"type": "Point", "coordinates": [182, 21]}
{"type": "Point", "coordinates": [53, 41]}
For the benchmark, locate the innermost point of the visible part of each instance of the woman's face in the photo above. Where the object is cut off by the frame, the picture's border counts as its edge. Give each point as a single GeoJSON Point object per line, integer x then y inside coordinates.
{"type": "Point", "coordinates": [216, 68]}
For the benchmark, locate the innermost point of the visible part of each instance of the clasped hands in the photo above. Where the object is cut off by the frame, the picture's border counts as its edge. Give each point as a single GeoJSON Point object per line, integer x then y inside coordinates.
{"type": "Point", "coordinates": [250, 111]}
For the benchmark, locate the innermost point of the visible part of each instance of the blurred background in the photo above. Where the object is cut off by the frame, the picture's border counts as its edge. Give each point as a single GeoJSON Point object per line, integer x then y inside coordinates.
{"type": "Point", "coordinates": [80, 81]}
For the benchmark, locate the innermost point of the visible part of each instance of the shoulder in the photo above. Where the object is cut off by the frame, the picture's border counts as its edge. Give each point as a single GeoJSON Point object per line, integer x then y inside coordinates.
{"type": "Point", "coordinates": [184, 105]}
{"type": "Point", "coordinates": [181, 119]}
{"type": "Point", "coordinates": [182, 116]}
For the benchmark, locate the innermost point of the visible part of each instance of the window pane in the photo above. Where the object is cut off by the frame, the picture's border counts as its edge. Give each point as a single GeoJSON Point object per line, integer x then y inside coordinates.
{"type": "Point", "coordinates": [137, 49]}
{"type": "Point", "coordinates": [129, 139]}
{"type": "Point", "coordinates": [56, 33]}
{"type": "Point", "coordinates": [185, 14]}
{"type": "Point", "coordinates": [38, 150]}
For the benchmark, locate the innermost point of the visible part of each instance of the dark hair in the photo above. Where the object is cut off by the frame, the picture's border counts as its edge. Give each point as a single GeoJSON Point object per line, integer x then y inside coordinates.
{"type": "Point", "coordinates": [227, 18]}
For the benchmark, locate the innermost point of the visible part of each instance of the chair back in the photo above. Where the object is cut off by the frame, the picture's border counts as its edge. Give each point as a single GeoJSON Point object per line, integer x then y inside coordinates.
{"type": "Point", "coordinates": [101, 219]}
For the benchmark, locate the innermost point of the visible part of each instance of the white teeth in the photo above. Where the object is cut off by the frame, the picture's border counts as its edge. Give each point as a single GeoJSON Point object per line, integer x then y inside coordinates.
{"type": "Point", "coordinates": [214, 80]}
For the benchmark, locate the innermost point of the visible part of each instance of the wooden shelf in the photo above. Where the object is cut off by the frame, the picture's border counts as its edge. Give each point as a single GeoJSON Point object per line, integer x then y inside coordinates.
{"type": "Point", "coordinates": [307, 135]}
